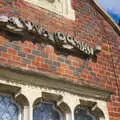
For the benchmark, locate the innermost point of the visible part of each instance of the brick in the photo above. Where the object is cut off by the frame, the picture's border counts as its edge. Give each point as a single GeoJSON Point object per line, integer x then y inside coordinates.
{"type": "Point", "coordinates": [16, 64]}
{"type": "Point", "coordinates": [62, 59]}
{"type": "Point", "coordinates": [114, 114]}
{"type": "Point", "coordinates": [26, 61]}
{"type": "Point", "coordinates": [55, 63]}
{"type": "Point", "coordinates": [6, 55]}
{"type": "Point", "coordinates": [12, 51]}
{"type": "Point", "coordinates": [48, 61]}
{"type": "Point", "coordinates": [32, 67]}
{"type": "Point", "coordinates": [16, 47]}
{"type": "Point", "coordinates": [36, 52]}
{"type": "Point", "coordinates": [22, 54]}
{"type": "Point", "coordinates": [53, 68]}
{"type": "Point", "coordinates": [3, 49]}
{"type": "Point", "coordinates": [39, 59]}
{"type": "Point", "coordinates": [31, 57]}
{"type": "Point", "coordinates": [27, 50]}
{"type": "Point", "coordinates": [16, 58]}
{"type": "Point", "coordinates": [2, 39]}
{"type": "Point", "coordinates": [3, 60]}
{"type": "Point", "coordinates": [35, 63]}
{"type": "Point", "coordinates": [45, 66]}
{"type": "Point", "coordinates": [43, 54]}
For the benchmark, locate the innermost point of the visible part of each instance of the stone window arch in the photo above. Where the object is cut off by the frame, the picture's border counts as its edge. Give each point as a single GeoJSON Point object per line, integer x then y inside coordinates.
{"type": "Point", "coordinates": [56, 104]}
{"type": "Point", "coordinates": [88, 110]}
{"type": "Point", "coordinates": [66, 110]}
{"type": "Point", "coordinates": [46, 110]}
{"type": "Point", "coordinates": [60, 7]}
{"type": "Point", "coordinates": [9, 109]}
{"type": "Point", "coordinates": [24, 104]}
{"type": "Point", "coordinates": [82, 113]}
{"type": "Point", "coordinates": [98, 113]}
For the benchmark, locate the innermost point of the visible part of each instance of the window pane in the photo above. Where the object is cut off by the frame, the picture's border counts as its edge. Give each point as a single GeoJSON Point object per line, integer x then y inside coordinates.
{"type": "Point", "coordinates": [46, 111]}
{"type": "Point", "coordinates": [83, 114]}
{"type": "Point", "coordinates": [8, 110]}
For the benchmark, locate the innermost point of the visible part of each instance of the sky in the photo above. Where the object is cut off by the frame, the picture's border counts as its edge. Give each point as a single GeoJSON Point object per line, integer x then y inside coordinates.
{"type": "Point", "coordinates": [112, 7]}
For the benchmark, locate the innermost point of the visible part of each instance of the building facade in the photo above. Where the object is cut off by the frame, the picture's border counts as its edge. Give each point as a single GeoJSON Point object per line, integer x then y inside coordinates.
{"type": "Point", "coordinates": [59, 60]}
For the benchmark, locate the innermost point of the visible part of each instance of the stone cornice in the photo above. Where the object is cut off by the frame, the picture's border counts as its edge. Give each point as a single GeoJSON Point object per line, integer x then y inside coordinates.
{"type": "Point", "coordinates": [27, 77]}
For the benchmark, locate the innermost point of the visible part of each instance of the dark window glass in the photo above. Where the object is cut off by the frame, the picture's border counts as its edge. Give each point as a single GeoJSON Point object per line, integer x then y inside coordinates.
{"type": "Point", "coordinates": [46, 111]}
{"type": "Point", "coordinates": [8, 109]}
{"type": "Point", "coordinates": [83, 114]}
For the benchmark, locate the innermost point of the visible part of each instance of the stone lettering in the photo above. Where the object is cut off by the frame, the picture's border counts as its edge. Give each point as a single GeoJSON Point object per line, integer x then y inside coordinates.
{"type": "Point", "coordinates": [59, 39]}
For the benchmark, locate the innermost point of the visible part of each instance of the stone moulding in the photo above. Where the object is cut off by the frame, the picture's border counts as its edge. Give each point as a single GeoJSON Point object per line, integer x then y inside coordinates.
{"type": "Point", "coordinates": [46, 80]}
{"type": "Point", "coordinates": [59, 40]}
{"type": "Point", "coordinates": [9, 88]}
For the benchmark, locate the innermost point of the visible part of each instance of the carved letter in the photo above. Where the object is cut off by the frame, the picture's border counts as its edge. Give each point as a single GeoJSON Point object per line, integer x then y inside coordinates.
{"type": "Point", "coordinates": [60, 38]}
{"type": "Point", "coordinates": [70, 40]}
{"type": "Point", "coordinates": [45, 33]}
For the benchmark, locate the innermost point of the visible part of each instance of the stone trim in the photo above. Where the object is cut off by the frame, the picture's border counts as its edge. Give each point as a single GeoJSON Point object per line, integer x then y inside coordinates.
{"type": "Point", "coordinates": [58, 40]}
{"type": "Point", "coordinates": [41, 79]}
{"type": "Point", "coordinates": [9, 89]}
{"type": "Point", "coordinates": [60, 7]}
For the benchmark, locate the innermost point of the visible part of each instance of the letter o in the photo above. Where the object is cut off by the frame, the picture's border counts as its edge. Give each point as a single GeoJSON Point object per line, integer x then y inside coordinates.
{"type": "Point", "coordinates": [60, 37]}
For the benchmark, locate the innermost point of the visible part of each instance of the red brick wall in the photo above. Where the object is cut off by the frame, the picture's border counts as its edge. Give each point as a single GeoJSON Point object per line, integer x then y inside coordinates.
{"type": "Point", "coordinates": [88, 26]}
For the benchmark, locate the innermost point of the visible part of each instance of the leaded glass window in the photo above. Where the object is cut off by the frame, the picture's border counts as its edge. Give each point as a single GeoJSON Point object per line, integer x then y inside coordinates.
{"type": "Point", "coordinates": [83, 114]}
{"type": "Point", "coordinates": [46, 111]}
{"type": "Point", "coordinates": [8, 109]}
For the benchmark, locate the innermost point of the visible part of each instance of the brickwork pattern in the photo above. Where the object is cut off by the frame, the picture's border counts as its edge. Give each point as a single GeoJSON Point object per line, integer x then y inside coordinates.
{"type": "Point", "coordinates": [89, 26]}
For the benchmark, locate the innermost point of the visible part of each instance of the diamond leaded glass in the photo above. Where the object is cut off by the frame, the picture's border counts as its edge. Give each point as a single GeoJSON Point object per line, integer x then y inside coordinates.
{"type": "Point", "coordinates": [8, 109]}
{"type": "Point", "coordinates": [83, 114]}
{"type": "Point", "coordinates": [46, 111]}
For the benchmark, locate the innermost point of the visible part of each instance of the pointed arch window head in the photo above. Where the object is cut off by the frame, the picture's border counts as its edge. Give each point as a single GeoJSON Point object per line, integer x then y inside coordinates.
{"type": "Point", "coordinates": [83, 114]}
{"type": "Point", "coordinates": [8, 109]}
{"type": "Point", "coordinates": [60, 7]}
{"type": "Point", "coordinates": [88, 110]}
{"type": "Point", "coordinates": [47, 111]}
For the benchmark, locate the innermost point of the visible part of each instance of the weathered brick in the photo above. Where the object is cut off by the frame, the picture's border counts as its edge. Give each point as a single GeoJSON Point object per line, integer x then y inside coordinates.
{"type": "Point", "coordinates": [27, 50]}
{"type": "Point", "coordinates": [55, 63]}
{"type": "Point", "coordinates": [20, 53]}
{"type": "Point", "coordinates": [6, 55]}
{"type": "Point", "coordinates": [31, 57]}
{"type": "Point", "coordinates": [48, 61]}
{"type": "Point", "coordinates": [3, 49]}
{"type": "Point", "coordinates": [26, 61]}
{"type": "Point", "coordinates": [16, 47]}
{"type": "Point", "coordinates": [54, 68]}
{"type": "Point", "coordinates": [36, 52]}
{"type": "Point", "coordinates": [39, 59]}
{"type": "Point", "coordinates": [12, 51]}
